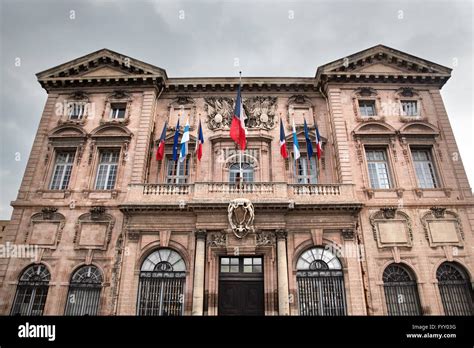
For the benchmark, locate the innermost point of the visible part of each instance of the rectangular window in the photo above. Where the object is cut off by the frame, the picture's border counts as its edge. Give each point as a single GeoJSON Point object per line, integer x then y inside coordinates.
{"type": "Point", "coordinates": [409, 108]}
{"type": "Point", "coordinates": [230, 265]}
{"type": "Point", "coordinates": [76, 111]}
{"type": "Point", "coordinates": [367, 108]}
{"type": "Point", "coordinates": [377, 163]}
{"type": "Point", "coordinates": [62, 170]}
{"type": "Point", "coordinates": [117, 111]}
{"type": "Point", "coordinates": [424, 168]}
{"type": "Point", "coordinates": [304, 170]}
{"type": "Point", "coordinates": [107, 169]}
{"type": "Point", "coordinates": [177, 172]}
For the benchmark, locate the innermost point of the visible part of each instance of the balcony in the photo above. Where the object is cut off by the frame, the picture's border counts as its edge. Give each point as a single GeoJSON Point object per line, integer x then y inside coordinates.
{"type": "Point", "coordinates": [223, 192]}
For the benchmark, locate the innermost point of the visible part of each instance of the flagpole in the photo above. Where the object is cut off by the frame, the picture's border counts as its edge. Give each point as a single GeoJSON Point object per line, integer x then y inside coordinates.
{"type": "Point", "coordinates": [240, 148]}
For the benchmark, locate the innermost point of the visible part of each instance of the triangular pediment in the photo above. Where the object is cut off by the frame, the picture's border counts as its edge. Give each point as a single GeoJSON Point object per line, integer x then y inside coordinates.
{"type": "Point", "coordinates": [381, 59]}
{"type": "Point", "coordinates": [102, 63]}
{"type": "Point", "coordinates": [104, 71]}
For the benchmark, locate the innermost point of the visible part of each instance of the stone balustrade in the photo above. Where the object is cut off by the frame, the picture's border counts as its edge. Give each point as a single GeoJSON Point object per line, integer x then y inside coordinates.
{"type": "Point", "coordinates": [224, 191]}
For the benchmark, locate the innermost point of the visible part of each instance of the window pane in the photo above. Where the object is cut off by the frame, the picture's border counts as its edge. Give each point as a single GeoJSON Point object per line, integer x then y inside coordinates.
{"type": "Point", "coordinates": [62, 170]}
{"type": "Point", "coordinates": [248, 269]}
{"type": "Point", "coordinates": [367, 107]}
{"type": "Point", "coordinates": [377, 166]}
{"type": "Point", "coordinates": [424, 168]}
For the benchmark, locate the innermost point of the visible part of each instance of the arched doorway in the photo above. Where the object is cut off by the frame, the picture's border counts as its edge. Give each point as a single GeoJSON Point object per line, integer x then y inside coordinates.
{"type": "Point", "coordinates": [455, 289]}
{"type": "Point", "coordinates": [401, 293]}
{"type": "Point", "coordinates": [320, 283]}
{"type": "Point", "coordinates": [84, 291]}
{"type": "Point", "coordinates": [32, 291]}
{"type": "Point", "coordinates": [161, 284]}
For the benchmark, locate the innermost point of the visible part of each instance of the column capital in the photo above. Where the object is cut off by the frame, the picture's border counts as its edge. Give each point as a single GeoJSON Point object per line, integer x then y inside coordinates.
{"type": "Point", "coordinates": [200, 234]}
{"type": "Point", "coordinates": [281, 234]}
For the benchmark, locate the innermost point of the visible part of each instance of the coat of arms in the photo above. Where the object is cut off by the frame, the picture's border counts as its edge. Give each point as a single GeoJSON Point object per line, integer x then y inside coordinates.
{"type": "Point", "coordinates": [241, 216]}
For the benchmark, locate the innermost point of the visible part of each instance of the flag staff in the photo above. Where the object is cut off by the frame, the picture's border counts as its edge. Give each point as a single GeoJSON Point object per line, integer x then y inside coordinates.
{"type": "Point", "coordinates": [240, 147]}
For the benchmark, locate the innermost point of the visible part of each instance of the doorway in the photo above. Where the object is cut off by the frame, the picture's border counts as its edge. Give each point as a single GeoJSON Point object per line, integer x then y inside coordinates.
{"type": "Point", "coordinates": [241, 289]}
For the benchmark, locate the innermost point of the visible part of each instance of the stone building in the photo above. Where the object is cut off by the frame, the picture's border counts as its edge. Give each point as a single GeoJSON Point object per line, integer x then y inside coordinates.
{"type": "Point", "coordinates": [382, 224]}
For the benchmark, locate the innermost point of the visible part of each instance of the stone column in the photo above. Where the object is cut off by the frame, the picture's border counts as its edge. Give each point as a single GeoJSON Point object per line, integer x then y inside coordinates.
{"type": "Point", "coordinates": [283, 293]}
{"type": "Point", "coordinates": [199, 264]}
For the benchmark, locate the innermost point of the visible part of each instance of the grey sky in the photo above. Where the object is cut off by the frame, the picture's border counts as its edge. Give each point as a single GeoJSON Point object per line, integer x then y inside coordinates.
{"type": "Point", "coordinates": [206, 42]}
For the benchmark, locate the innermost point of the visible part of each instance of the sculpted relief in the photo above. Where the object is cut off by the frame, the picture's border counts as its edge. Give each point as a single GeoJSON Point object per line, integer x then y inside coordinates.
{"type": "Point", "coordinates": [259, 112]}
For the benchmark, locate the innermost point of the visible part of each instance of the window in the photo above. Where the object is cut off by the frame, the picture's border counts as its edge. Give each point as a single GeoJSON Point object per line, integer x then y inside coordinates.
{"type": "Point", "coordinates": [241, 265]}
{"type": "Point", "coordinates": [117, 110]}
{"type": "Point", "coordinates": [409, 108]}
{"type": "Point", "coordinates": [177, 171]}
{"type": "Point", "coordinates": [378, 168]}
{"type": "Point", "coordinates": [62, 170]}
{"type": "Point", "coordinates": [424, 168]}
{"type": "Point", "coordinates": [320, 283]}
{"type": "Point", "coordinates": [84, 292]}
{"type": "Point", "coordinates": [76, 111]}
{"type": "Point", "coordinates": [107, 170]}
{"type": "Point", "coordinates": [230, 265]}
{"type": "Point", "coordinates": [161, 286]}
{"type": "Point", "coordinates": [401, 293]}
{"type": "Point", "coordinates": [367, 107]}
{"type": "Point", "coordinates": [234, 173]}
{"type": "Point", "coordinates": [305, 171]}
{"type": "Point", "coordinates": [31, 292]}
{"type": "Point", "coordinates": [455, 289]}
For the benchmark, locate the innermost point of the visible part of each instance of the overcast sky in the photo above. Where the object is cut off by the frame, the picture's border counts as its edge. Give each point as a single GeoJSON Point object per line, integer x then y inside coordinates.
{"type": "Point", "coordinates": [203, 38]}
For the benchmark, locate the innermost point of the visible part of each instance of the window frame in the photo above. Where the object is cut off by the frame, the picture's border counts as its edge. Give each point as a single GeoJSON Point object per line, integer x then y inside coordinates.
{"type": "Point", "coordinates": [434, 170]}
{"type": "Point", "coordinates": [389, 172]}
{"type": "Point", "coordinates": [57, 152]}
{"type": "Point", "coordinates": [307, 178]}
{"type": "Point", "coordinates": [175, 179]}
{"type": "Point", "coordinates": [72, 107]}
{"type": "Point", "coordinates": [99, 164]}
{"type": "Point", "coordinates": [250, 171]}
{"type": "Point", "coordinates": [366, 100]}
{"type": "Point", "coordinates": [406, 101]}
{"type": "Point", "coordinates": [114, 115]}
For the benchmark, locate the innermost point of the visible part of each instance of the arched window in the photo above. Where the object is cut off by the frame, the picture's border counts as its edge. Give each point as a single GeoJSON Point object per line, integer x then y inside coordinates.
{"type": "Point", "coordinates": [401, 293]}
{"type": "Point", "coordinates": [161, 288]}
{"type": "Point", "coordinates": [234, 173]}
{"type": "Point", "coordinates": [455, 289]}
{"type": "Point", "coordinates": [320, 283]}
{"type": "Point", "coordinates": [32, 290]}
{"type": "Point", "coordinates": [84, 291]}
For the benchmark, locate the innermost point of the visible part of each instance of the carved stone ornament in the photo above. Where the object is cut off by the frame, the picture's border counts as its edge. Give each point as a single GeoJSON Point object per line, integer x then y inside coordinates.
{"type": "Point", "coordinates": [217, 239]}
{"type": "Point", "coordinates": [259, 112]}
{"type": "Point", "coordinates": [241, 215]}
{"type": "Point", "coordinates": [389, 212]}
{"type": "Point", "coordinates": [438, 212]}
{"type": "Point", "coordinates": [48, 212]}
{"type": "Point", "coordinates": [348, 234]}
{"type": "Point", "coordinates": [97, 212]}
{"type": "Point", "coordinates": [219, 112]}
{"type": "Point", "coordinates": [263, 238]}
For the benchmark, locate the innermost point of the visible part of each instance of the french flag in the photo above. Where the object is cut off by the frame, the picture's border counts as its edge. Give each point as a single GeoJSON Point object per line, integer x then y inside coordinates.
{"type": "Point", "coordinates": [319, 148]}
{"type": "Point", "coordinates": [199, 142]}
{"type": "Point", "coordinates": [160, 153]}
{"type": "Point", "coordinates": [283, 149]}
{"type": "Point", "coordinates": [237, 128]}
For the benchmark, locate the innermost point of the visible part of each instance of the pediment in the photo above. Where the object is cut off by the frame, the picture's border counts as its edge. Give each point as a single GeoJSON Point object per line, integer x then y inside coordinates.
{"type": "Point", "coordinates": [373, 128]}
{"type": "Point", "coordinates": [67, 132]}
{"type": "Point", "coordinates": [102, 63]}
{"type": "Point", "coordinates": [104, 71]}
{"type": "Point", "coordinates": [380, 68]}
{"type": "Point", "coordinates": [111, 131]}
{"type": "Point", "coordinates": [384, 60]}
{"type": "Point", "coordinates": [418, 128]}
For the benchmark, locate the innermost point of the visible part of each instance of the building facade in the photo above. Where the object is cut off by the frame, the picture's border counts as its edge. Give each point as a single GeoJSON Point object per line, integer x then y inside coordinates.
{"type": "Point", "coordinates": [381, 224]}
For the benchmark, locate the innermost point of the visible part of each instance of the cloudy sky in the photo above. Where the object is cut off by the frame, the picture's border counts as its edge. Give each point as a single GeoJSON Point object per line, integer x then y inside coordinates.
{"type": "Point", "coordinates": [203, 38]}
